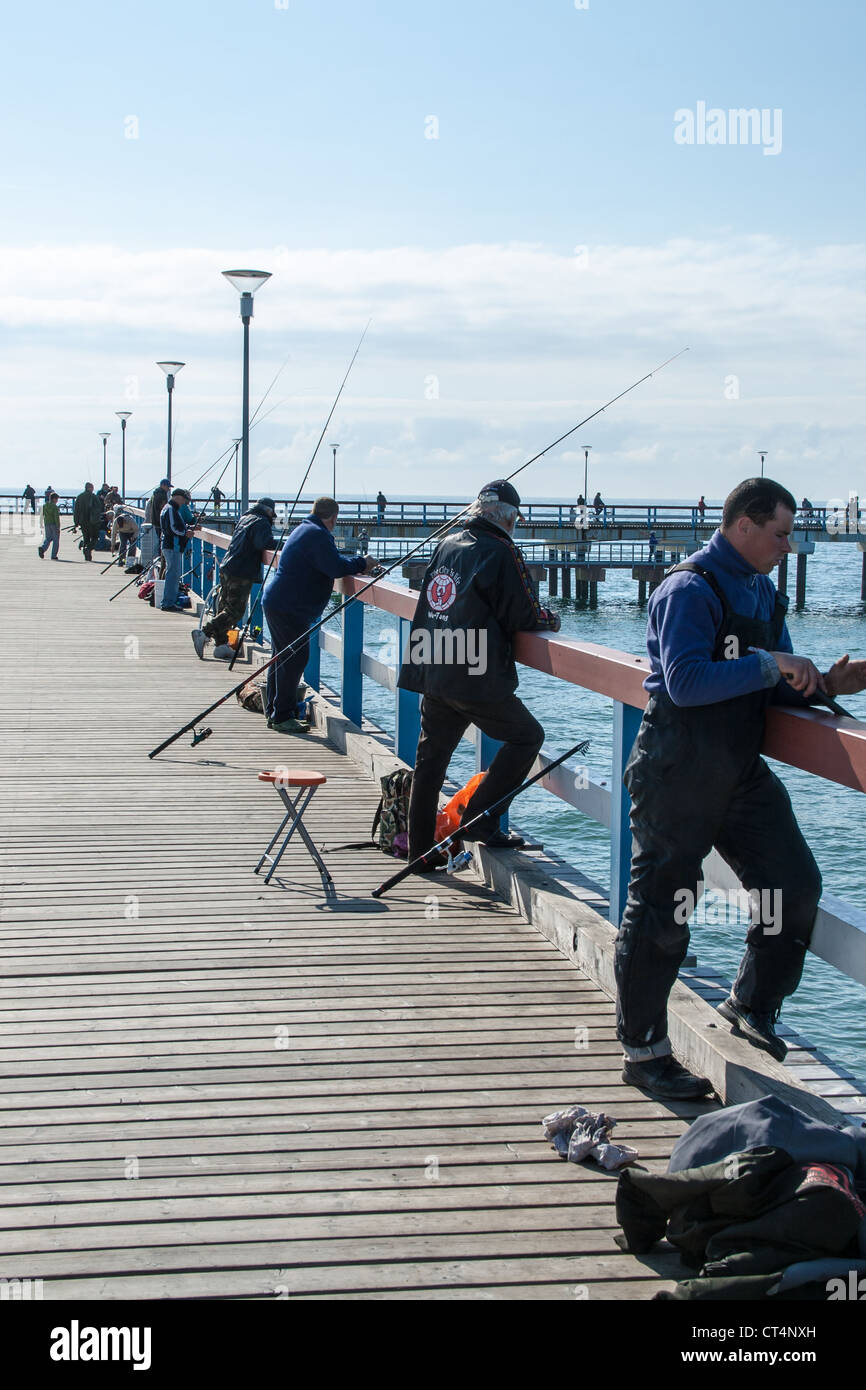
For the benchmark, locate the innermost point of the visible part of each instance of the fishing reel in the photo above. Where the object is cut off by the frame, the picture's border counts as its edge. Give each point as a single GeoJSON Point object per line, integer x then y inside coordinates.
{"type": "Point", "coordinates": [199, 736]}
{"type": "Point", "coordinates": [377, 572]}
{"type": "Point", "coordinates": [458, 861]}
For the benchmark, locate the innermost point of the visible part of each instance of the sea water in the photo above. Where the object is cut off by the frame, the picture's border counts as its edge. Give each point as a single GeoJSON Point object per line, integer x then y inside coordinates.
{"type": "Point", "coordinates": [828, 1008]}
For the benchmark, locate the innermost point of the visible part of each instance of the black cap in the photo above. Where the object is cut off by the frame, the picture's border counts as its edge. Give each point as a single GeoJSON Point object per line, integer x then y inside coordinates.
{"type": "Point", "coordinates": [499, 491]}
{"type": "Point", "coordinates": [267, 502]}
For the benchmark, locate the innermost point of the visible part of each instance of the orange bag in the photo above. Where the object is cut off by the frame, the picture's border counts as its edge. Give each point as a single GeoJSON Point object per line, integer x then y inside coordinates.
{"type": "Point", "coordinates": [449, 817]}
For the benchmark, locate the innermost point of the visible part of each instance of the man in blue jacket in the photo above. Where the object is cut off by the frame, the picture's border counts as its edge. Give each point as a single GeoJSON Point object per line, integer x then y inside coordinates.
{"type": "Point", "coordinates": [295, 597]}
{"type": "Point", "coordinates": [719, 654]}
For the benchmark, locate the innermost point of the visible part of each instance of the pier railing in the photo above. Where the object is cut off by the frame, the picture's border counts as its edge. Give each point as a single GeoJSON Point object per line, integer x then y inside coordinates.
{"type": "Point", "coordinates": [549, 515]}
{"type": "Point", "coordinates": [830, 748]}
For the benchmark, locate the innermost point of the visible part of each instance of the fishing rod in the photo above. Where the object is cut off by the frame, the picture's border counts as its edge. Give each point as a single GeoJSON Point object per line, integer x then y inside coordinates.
{"type": "Point", "coordinates": [353, 598]}
{"type": "Point", "coordinates": [282, 536]}
{"type": "Point", "coordinates": [444, 845]}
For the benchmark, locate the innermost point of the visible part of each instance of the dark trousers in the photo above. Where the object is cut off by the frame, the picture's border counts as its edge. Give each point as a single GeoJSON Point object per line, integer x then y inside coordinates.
{"type": "Point", "coordinates": [675, 823]}
{"type": "Point", "coordinates": [284, 676]}
{"type": "Point", "coordinates": [234, 594]}
{"type": "Point", "coordinates": [443, 724]}
{"type": "Point", "coordinates": [89, 536]}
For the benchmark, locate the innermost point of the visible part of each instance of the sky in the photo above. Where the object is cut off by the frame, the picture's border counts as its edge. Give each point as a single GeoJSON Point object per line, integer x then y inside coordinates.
{"type": "Point", "coordinates": [534, 204]}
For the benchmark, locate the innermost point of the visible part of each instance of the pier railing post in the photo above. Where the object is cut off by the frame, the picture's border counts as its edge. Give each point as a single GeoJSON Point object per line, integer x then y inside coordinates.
{"type": "Point", "coordinates": [352, 682]}
{"type": "Point", "coordinates": [626, 722]}
{"type": "Point", "coordinates": [407, 713]}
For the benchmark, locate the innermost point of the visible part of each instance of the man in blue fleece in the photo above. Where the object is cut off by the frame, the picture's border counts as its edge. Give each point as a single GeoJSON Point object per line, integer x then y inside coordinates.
{"type": "Point", "coordinates": [719, 653]}
{"type": "Point", "coordinates": [294, 598]}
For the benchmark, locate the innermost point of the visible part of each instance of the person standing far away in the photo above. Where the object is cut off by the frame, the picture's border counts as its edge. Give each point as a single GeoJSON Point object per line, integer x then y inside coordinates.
{"type": "Point", "coordinates": [29, 495]}
{"type": "Point", "coordinates": [88, 516]}
{"type": "Point", "coordinates": [702, 507]}
{"type": "Point", "coordinates": [218, 498]}
{"type": "Point", "coordinates": [175, 535]}
{"type": "Point", "coordinates": [51, 525]}
{"type": "Point", "coordinates": [598, 504]}
{"type": "Point", "coordinates": [294, 598]}
{"type": "Point", "coordinates": [241, 567]}
{"type": "Point", "coordinates": [381, 504]}
{"type": "Point", "coordinates": [653, 543]}
{"type": "Point", "coordinates": [475, 595]}
{"type": "Point", "coordinates": [720, 654]}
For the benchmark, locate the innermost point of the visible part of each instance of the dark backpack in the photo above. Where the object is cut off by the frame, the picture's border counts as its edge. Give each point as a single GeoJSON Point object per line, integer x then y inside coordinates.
{"type": "Point", "coordinates": [390, 829]}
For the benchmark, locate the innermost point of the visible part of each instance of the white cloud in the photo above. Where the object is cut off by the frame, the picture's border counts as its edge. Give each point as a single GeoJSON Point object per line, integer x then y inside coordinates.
{"type": "Point", "coordinates": [522, 340]}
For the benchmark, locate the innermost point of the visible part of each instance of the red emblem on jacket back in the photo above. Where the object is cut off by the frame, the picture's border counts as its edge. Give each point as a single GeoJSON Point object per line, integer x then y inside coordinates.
{"type": "Point", "coordinates": [441, 591]}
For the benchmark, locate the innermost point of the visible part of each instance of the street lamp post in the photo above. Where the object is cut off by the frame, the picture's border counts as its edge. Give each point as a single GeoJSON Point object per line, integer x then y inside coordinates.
{"type": "Point", "coordinates": [246, 282]}
{"type": "Point", "coordinates": [335, 447]}
{"type": "Point", "coordinates": [763, 453]}
{"type": "Point", "coordinates": [105, 438]}
{"type": "Point", "coordinates": [123, 416]}
{"type": "Point", "coordinates": [171, 370]}
{"type": "Point", "coordinates": [586, 448]}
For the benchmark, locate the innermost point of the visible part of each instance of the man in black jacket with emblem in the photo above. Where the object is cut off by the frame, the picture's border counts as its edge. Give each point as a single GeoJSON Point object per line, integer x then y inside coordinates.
{"type": "Point", "coordinates": [475, 595]}
{"type": "Point", "coordinates": [239, 570]}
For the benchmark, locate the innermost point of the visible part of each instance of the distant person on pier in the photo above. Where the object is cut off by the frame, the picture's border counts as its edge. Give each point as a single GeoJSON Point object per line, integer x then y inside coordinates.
{"type": "Point", "coordinates": [381, 504]}
{"type": "Point", "coordinates": [88, 516]}
{"type": "Point", "coordinates": [720, 654]}
{"type": "Point", "coordinates": [240, 569]}
{"type": "Point", "coordinates": [702, 507]}
{"type": "Point", "coordinates": [156, 502]}
{"type": "Point", "coordinates": [46, 496]}
{"type": "Point", "coordinates": [475, 596]}
{"type": "Point", "coordinates": [175, 533]}
{"type": "Point", "coordinates": [29, 495]}
{"type": "Point", "coordinates": [51, 526]}
{"type": "Point", "coordinates": [218, 499]}
{"type": "Point", "coordinates": [295, 597]}
{"type": "Point", "coordinates": [806, 507]}
{"type": "Point", "coordinates": [598, 504]}
{"type": "Point", "coordinates": [653, 544]}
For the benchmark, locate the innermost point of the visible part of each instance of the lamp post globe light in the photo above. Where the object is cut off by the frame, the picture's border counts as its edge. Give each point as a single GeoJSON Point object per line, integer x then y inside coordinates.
{"type": "Point", "coordinates": [246, 282]}
{"type": "Point", "coordinates": [105, 438]}
{"type": "Point", "coordinates": [171, 370]}
{"type": "Point", "coordinates": [123, 416]}
{"type": "Point", "coordinates": [763, 453]}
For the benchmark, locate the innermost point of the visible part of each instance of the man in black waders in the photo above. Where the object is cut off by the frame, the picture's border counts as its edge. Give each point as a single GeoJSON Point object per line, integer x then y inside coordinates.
{"type": "Point", "coordinates": [719, 653]}
{"type": "Point", "coordinates": [475, 595]}
{"type": "Point", "coordinates": [240, 569]}
{"type": "Point", "coordinates": [88, 516]}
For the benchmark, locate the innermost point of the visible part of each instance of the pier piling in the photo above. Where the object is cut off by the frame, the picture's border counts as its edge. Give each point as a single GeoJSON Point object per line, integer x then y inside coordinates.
{"type": "Point", "coordinates": [801, 578]}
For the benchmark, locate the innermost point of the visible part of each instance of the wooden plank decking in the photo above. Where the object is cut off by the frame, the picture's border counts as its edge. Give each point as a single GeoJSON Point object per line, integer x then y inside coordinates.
{"type": "Point", "coordinates": [213, 1088]}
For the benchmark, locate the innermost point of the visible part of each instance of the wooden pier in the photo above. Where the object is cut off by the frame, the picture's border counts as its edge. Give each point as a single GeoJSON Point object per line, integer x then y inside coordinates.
{"type": "Point", "coordinates": [214, 1088]}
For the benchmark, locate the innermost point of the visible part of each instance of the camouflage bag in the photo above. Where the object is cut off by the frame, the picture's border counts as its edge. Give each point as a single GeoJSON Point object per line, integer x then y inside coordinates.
{"type": "Point", "coordinates": [392, 817]}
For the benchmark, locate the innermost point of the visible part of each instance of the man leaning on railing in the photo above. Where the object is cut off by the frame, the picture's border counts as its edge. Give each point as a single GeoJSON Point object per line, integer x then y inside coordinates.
{"type": "Point", "coordinates": [720, 653]}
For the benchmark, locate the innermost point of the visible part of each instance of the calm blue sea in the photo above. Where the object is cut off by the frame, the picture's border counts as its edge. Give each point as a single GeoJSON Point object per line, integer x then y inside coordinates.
{"type": "Point", "coordinates": [828, 1008]}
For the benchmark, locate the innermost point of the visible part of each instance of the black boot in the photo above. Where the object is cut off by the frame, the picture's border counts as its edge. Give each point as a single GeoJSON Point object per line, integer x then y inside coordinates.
{"type": "Point", "coordinates": [663, 1076]}
{"type": "Point", "coordinates": [757, 1028]}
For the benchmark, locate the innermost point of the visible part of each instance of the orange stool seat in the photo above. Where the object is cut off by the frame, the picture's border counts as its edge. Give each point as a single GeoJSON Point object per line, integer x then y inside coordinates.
{"type": "Point", "coordinates": [298, 777]}
{"type": "Point", "coordinates": [306, 784]}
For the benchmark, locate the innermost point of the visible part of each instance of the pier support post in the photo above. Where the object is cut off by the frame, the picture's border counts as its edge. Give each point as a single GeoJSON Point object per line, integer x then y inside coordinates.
{"type": "Point", "coordinates": [553, 576]}
{"type": "Point", "coordinates": [626, 722]}
{"type": "Point", "coordinates": [801, 578]}
{"type": "Point", "coordinates": [407, 723]}
{"type": "Point", "coordinates": [566, 575]}
{"type": "Point", "coordinates": [593, 593]}
{"type": "Point", "coordinates": [782, 577]}
{"type": "Point", "coordinates": [863, 577]}
{"type": "Point", "coordinates": [641, 592]}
